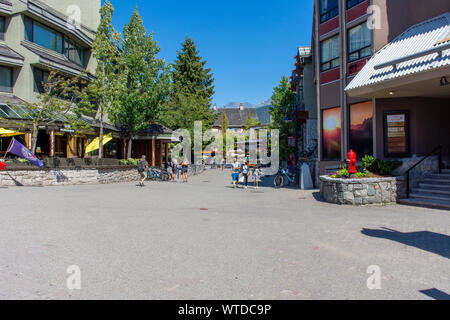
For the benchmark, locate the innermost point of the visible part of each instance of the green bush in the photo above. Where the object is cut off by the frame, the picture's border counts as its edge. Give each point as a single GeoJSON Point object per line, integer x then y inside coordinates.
{"type": "Point", "coordinates": [362, 174]}
{"type": "Point", "coordinates": [129, 162]}
{"type": "Point", "coordinates": [378, 166]}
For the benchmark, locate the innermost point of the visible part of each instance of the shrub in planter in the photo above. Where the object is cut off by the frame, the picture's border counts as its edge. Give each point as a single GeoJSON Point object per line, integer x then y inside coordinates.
{"type": "Point", "coordinates": [378, 166]}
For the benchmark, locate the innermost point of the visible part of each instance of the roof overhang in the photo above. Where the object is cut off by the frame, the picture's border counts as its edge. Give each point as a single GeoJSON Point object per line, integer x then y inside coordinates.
{"type": "Point", "coordinates": [6, 7]}
{"type": "Point", "coordinates": [412, 64]}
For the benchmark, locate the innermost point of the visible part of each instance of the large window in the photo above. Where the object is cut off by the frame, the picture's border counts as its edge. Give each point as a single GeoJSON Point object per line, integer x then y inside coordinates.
{"type": "Point", "coordinates": [6, 79]}
{"type": "Point", "coordinates": [328, 9]}
{"type": "Point", "coordinates": [329, 53]}
{"type": "Point", "coordinates": [331, 134]}
{"type": "Point", "coordinates": [74, 52]}
{"type": "Point", "coordinates": [43, 36]}
{"type": "Point", "coordinates": [359, 42]}
{"type": "Point", "coordinates": [361, 128]}
{"type": "Point", "coordinates": [352, 3]}
{"type": "Point", "coordinates": [40, 78]}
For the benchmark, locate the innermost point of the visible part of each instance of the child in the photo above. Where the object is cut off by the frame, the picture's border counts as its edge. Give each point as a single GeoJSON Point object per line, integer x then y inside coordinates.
{"type": "Point", "coordinates": [256, 176]}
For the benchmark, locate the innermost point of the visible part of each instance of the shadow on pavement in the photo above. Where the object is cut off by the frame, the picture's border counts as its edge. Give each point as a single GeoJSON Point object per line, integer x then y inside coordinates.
{"type": "Point", "coordinates": [425, 240]}
{"type": "Point", "coordinates": [436, 294]}
{"type": "Point", "coordinates": [318, 197]}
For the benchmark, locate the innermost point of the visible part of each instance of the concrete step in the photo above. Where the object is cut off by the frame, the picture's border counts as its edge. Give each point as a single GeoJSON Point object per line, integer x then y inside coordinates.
{"type": "Point", "coordinates": [437, 181]}
{"type": "Point", "coordinates": [434, 186]}
{"type": "Point", "coordinates": [430, 197]}
{"type": "Point", "coordinates": [440, 176]}
{"type": "Point", "coordinates": [432, 191]}
{"type": "Point", "coordinates": [426, 203]}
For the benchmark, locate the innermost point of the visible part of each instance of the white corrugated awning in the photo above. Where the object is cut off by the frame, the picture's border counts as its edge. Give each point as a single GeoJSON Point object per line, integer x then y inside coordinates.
{"type": "Point", "coordinates": [422, 48]}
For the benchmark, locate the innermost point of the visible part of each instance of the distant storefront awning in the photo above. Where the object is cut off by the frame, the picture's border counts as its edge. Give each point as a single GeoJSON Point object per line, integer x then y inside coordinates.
{"type": "Point", "coordinates": [9, 133]}
{"type": "Point", "coordinates": [94, 145]}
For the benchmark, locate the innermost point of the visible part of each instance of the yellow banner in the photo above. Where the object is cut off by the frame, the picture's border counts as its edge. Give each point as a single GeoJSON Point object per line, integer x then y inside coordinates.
{"type": "Point", "coordinates": [9, 133]}
{"type": "Point", "coordinates": [94, 145]}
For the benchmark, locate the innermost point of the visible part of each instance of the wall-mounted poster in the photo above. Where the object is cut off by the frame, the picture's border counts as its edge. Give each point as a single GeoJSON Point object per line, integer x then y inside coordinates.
{"type": "Point", "coordinates": [396, 134]}
{"type": "Point", "coordinates": [361, 128]}
{"type": "Point", "coordinates": [331, 134]}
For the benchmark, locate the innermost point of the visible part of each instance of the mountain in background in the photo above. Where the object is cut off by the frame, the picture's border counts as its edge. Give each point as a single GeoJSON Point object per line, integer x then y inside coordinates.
{"type": "Point", "coordinates": [236, 105]}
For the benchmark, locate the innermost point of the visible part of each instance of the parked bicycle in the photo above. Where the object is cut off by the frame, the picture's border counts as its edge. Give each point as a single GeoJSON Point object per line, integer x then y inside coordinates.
{"type": "Point", "coordinates": [282, 176]}
{"type": "Point", "coordinates": [157, 174]}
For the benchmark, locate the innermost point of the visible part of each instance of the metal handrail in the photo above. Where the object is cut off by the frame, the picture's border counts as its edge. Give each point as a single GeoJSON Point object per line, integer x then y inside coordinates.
{"type": "Point", "coordinates": [423, 159]}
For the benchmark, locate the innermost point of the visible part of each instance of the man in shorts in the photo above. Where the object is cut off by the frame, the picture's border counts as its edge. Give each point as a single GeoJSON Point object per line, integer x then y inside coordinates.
{"type": "Point", "coordinates": [235, 169]}
{"type": "Point", "coordinates": [142, 169]}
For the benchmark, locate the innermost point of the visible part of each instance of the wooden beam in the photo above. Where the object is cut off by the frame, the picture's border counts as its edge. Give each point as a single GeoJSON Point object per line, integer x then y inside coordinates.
{"type": "Point", "coordinates": [153, 152]}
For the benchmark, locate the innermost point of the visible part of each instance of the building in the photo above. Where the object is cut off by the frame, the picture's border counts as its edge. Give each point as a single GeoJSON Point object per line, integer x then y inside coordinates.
{"type": "Point", "coordinates": [377, 70]}
{"type": "Point", "coordinates": [237, 117]}
{"type": "Point", "coordinates": [37, 36]}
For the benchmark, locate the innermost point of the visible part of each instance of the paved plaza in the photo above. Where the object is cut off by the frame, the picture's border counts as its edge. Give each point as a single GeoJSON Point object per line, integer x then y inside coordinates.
{"type": "Point", "coordinates": [205, 240]}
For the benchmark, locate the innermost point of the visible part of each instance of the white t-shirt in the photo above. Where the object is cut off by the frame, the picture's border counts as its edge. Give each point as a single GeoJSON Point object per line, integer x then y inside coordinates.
{"type": "Point", "coordinates": [236, 167]}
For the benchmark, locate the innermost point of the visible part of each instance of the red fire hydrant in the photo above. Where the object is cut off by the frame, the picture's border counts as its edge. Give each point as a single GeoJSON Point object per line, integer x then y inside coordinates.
{"type": "Point", "coordinates": [351, 159]}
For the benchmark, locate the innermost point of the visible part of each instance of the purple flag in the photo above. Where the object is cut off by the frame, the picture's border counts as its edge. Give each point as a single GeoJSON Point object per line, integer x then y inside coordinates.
{"type": "Point", "coordinates": [19, 150]}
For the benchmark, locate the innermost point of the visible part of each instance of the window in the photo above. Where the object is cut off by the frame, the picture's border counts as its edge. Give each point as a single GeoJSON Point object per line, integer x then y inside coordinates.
{"type": "Point", "coordinates": [396, 134]}
{"type": "Point", "coordinates": [43, 36]}
{"type": "Point", "coordinates": [2, 27]}
{"type": "Point", "coordinates": [331, 134]}
{"type": "Point", "coordinates": [361, 126]}
{"type": "Point", "coordinates": [74, 52]}
{"type": "Point", "coordinates": [328, 9]}
{"type": "Point", "coordinates": [40, 78]}
{"type": "Point", "coordinates": [6, 79]}
{"type": "Point", "coordinates": [329, 50]}
{"type": "Point", "coordinates": [359, 42]}
{"type": "Point", "coordinates": [352, 3]}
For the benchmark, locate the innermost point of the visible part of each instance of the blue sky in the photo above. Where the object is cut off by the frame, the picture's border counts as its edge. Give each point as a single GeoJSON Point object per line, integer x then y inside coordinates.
{"type": "Point", "coordinates": [248, 44]}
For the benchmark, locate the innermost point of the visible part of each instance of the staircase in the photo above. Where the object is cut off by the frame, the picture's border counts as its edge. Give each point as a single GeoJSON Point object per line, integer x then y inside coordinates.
{"type": "Point", "coordinates": [433, 191]}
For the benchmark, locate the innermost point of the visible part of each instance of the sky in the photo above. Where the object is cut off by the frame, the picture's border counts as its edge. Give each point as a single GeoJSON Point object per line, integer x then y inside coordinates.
{"type": "Point", "coordinates": [248, 44]}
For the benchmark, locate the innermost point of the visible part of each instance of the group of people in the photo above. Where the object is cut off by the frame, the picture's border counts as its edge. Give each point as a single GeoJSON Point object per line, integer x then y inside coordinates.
{"type": "Point", "coordinates": [143, 168]}
{"type": "Point", "coordinates": [238, 170]}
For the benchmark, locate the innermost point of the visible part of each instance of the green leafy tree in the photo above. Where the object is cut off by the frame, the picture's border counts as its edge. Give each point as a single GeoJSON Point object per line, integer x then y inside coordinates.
{"type": "Point", "coordinates": [100, 98]}
{"type": "Point", "coordinates": [192, 91]}
{"type": "Point", "coordinates": [144, 80]}
{"type": "Point", "coordinates": [250, 122]}
{"type": "Point", "coordinates": [282, 107]}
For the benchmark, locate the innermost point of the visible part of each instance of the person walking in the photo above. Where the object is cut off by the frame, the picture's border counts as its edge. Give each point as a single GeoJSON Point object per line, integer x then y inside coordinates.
{"type": "Point", "coordinates": [256, 176]}
{"type": "Point", "coordinates": [223, 163]}
{"type": "Point", "coordinates": [245, 173]}
{"type": "Point", "coordinates": [174, 166]}
{"type": "Point", "coordinates": [184, 168]}
{"type": "Point", "coordinates": [235, 168]}
{"type": "Point", "coordinates": [142, 169]}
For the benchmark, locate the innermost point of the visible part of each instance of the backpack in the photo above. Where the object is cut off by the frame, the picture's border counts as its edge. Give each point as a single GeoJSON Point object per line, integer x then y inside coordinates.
{"type": "Point", "coordinates": [244, 169]}
{"type": "Point", "coordinates": [141, 166]}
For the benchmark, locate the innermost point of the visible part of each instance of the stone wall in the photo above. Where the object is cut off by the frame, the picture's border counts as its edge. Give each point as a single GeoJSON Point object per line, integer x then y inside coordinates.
{"type": "Point", "coordinates": [359, 191]}
{"type": "Point", "coordinates": [56, 177]}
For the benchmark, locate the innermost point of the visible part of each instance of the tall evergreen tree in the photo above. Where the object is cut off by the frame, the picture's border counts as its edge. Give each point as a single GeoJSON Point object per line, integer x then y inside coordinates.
{"type": "Point", "coordinates": [145, 80]}
{"type": "Point", "coordinates": [192, 90]}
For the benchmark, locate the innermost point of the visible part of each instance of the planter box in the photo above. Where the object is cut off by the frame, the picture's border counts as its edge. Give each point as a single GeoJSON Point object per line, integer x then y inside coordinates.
{"type": "Point", "coordinates": [360, 191]}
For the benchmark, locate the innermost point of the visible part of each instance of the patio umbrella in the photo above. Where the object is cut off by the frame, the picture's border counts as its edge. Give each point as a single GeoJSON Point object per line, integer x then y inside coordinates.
{"type": "Point", "coordinates": [9, 133]}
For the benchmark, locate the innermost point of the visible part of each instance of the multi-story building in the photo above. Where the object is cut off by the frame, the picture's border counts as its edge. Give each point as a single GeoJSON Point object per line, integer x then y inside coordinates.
{"type": "Point", "coordinates": [35, 38]}
{"type": "Point", "coordinates": [352, 40]}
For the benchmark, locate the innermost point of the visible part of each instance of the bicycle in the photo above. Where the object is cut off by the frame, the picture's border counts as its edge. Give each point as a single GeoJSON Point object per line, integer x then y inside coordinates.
{"type": "Point", "coordinates": [281, 176]}
{"type": "Point", "coordinates": [157, 174]}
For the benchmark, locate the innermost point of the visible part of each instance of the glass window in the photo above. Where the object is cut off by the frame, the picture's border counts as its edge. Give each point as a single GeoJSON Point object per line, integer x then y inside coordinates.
{"type": "Point", "coordinates": [352, 3]}
{"type": "Point", "coordinates": [330, 53]}
{"type": "Point", "coordinates": [361, 125]}
{"type": "Point", "coordinates": [331, 134]}
{"type": "Point", "coordinates": [6, 75]}
{"type": "Point", "coordinates": [74, 52]}
{"type": "Point", "coordinates": [2, 27]}
{"type": "Point", "coordinates": [40, 78]}
{"type": "Point", "coordinates": [328, 9]}
{"type": "Point", "coordinates": [43, 36]}
{"type": "Point", "coordinates": [359, 42]}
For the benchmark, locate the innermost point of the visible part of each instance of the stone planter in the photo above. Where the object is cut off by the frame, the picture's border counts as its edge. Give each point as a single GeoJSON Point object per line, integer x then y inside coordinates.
{"type": "Point", "coordinates": [360, 191]}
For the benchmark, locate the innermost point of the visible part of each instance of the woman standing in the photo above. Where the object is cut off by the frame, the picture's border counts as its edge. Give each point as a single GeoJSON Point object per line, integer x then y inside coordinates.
{"type": "Point", "coordinates": [184, 168]}
{"type": "Point", "coordinates": [174, 170]}
{"type": "Point", "coordinates": [245, 173]}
